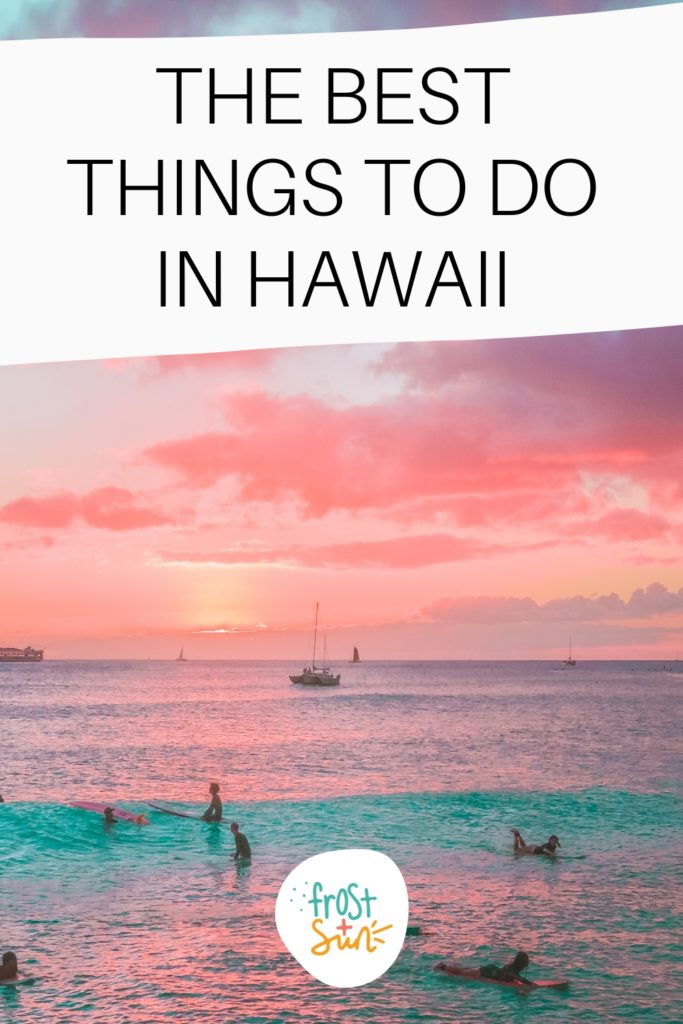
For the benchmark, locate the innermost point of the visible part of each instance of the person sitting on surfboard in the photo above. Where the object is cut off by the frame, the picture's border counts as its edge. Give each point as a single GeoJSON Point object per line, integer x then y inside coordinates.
{"type": "Point", "coordinates": [214, 812]}
{"type": "Point", "coordinates": [242, 848]}
{"type": "Point", "coordinates": [10, 966]}
{"type": "Point", "coordinates": [545, 849]}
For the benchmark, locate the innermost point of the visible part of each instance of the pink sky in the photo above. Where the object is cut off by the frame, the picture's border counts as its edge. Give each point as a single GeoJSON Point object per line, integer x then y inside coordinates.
{"type": "Point", "coordinates": [458, 499]}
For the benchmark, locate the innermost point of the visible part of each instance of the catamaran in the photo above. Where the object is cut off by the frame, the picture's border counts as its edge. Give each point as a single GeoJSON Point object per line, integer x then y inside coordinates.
{"type": "Point", "coordinates": [311, 675]}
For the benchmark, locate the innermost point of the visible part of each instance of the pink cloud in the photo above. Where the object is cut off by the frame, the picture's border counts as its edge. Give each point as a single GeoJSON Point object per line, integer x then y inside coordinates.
{"type": "Point", "coordinates": [510, 508]}
{"type": "Point", "coordinates": [397, 450]}
{"type": "Point", "coordinates": [224, 628]}
{"type": "Point", "coordinates": [622, 524]}
{"type": "Point", "coordinates": [106, 508]}
{"type": "Point", "coordinates": [52, 511]}
{"type": "Point", "coordinates": [27, 543]}
{"type": "Point", "coordinates": [393, 553]}
{"type": "Point", "coordinates": [532, 431]}
{"type": "Point", "coordinates": [601, 392]}
{"type": "Point", "coordinates": [643, 604]}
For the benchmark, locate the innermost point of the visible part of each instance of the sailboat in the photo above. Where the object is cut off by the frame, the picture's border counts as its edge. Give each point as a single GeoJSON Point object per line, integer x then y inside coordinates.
{"type": "Point", "coordinates": [570, 661]}
{"type": "Point", "coordinates": [181, 656]}
{"type": "Point", "coordinates": [311, 675]}
{"type": "Point", "coordinates": [356, 657]}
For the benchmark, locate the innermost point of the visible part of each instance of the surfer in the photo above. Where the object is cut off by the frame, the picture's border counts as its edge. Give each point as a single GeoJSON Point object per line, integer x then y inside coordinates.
{"type": "Point", "coordinates": [109, 818]}
{"type": "Point", "coordinates": [545, 849]}
{"type": "Point", "coordinates": [10, 966]}
{"type": "Point", "coordinates": [242, 852]}
{"type": "Point", "coordinates": [509, 973]}
{"type": "Point", "coordinates": [214, 812]}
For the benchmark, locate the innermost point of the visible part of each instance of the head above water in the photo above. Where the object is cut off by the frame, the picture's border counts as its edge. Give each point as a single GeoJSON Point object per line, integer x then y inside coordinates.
{"type": "Point", "coordinates": [521, 961]}
{"type": "Point", "coordinates": [9, 958]}
{"type": "Point", "coordinates": [214, 788]}
{"type": "Point", "coordinates": [234, 827]}
{"type": "Point", "coordinates": [109, 813]}
{"type": "Point", "coordinates": [553, 841]}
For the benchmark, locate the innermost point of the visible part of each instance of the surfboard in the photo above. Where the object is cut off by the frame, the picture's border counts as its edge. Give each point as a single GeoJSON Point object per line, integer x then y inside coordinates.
{"type": "Point", "coordinates": [551, 857]}
{"type": "Point", "coordinates": [179, 814]}
{"type": "Point", "coordinates": [99, 808]}
{"type": "Point", "coordinates": [469, 974]}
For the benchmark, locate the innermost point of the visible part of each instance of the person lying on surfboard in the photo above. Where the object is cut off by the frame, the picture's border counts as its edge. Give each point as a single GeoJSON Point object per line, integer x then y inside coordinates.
{"type": "Point", "coordinates": [242, 852]}
{"type": "Point", "coordinates": [510, 973]}
{"type": "Point", "coordinates": [214, 812]}
{"type": "Point", "coordinates": [10, 966]}
{"type": "Point", "coordinates": [548, 849]}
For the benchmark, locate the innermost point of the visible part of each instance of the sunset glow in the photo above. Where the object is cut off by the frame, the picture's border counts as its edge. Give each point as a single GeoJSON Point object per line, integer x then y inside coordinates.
{"type": "Point", "coordinates": [456, 499]}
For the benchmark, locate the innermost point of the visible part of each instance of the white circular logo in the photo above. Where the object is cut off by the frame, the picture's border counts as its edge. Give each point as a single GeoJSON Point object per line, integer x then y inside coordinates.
{"type": "Point", "coordinates": [343, 915]}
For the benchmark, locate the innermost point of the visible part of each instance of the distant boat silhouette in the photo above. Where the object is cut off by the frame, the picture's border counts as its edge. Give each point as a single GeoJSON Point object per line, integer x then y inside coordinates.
{"type": "Point", "coordinates": [570, 661]}
{"type": "Point", "coordinates": [181, 656]}
{"type": "Point", "coordinates": [356, 657]}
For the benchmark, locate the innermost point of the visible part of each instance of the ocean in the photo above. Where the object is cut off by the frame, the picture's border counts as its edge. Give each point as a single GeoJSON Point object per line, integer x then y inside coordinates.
{"type": "Point", "coordinates": [431, 762]}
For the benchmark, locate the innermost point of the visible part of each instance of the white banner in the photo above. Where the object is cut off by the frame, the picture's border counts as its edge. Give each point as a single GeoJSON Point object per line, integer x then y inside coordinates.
{"type": "Point", "coordinates": [509, 179]}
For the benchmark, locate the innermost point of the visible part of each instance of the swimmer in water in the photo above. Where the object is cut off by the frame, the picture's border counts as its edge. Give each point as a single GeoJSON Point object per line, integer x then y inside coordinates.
{"type": "Point", "coordinates": [110, 817]}
{"type": "Point", "coordinates": [10, 966]}
{"type": "Point", "coordinates": [548, 849]}
{"type": "Point", "coordinates": [509, 973]}
{"type": "Point", "coordinates": [242, 852]}
{"type": "Point", "coordinates": [214, 812]}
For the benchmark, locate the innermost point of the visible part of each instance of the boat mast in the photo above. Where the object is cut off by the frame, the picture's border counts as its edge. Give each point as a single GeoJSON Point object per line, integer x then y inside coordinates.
{"type": "Point", "coordinates": [315, 633]}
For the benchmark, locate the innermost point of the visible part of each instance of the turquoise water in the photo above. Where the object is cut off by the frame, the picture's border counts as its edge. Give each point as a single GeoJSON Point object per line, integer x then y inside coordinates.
{"type": "Point", "coordinates": [433, 764]}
